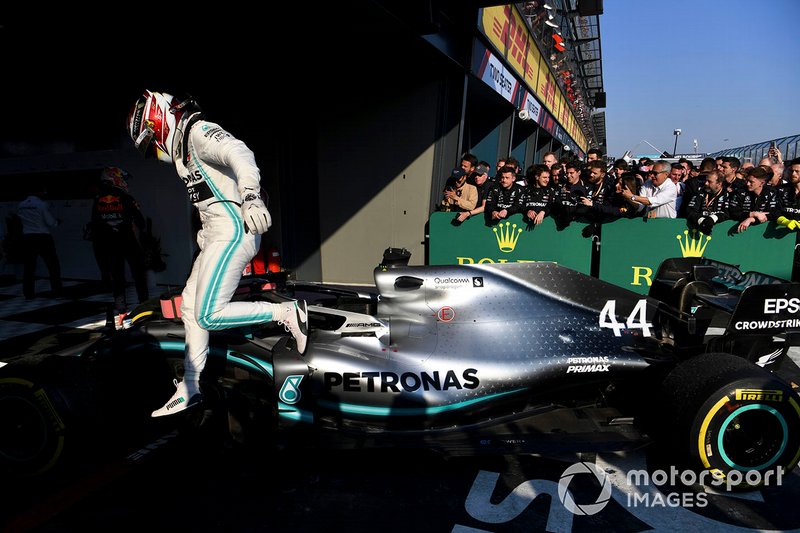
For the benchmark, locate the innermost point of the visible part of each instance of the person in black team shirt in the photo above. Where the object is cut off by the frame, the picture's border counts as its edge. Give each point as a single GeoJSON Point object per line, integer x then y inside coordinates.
{"type": "Point", "coordinates": [601, 189]}
{"type": "Point", "coordinates": [538, 197]}
{"type": "Point", "coordinates": [728, 166]}
{"type": "Point", "coordinates": [758, 203]}
{"type": "Point", "coordinates": [694, 186]}
{"type": "Point", "coordinates": [567, 206]}
{"type": "Point", "coordinates": [710, 206]}
{"type": "Point", "coordinates": [505, 198]}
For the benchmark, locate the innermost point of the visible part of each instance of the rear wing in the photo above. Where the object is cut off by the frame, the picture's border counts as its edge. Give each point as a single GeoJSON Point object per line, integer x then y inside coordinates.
{"type": "Point", "coordinates": [767, 309]}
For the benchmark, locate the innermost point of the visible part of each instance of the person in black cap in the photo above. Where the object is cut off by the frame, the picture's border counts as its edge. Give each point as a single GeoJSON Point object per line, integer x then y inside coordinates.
{"type": "Point", "coordinates": [480, 179]}
{"type": "Point", "coordinates": [458, 196]}
{"type": "Point", "coordinates": [116, 219]}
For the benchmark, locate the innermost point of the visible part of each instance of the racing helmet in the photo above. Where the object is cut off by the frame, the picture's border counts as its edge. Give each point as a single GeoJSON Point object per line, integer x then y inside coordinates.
{"type": "Point", "coordinates": [116, 177]}
{"type": "Point", "coordinates": [153, 122]}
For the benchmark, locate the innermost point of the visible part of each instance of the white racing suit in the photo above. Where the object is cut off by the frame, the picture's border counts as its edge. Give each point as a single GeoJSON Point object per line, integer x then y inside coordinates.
{"type": "Point", "coordinates": [216, 169]}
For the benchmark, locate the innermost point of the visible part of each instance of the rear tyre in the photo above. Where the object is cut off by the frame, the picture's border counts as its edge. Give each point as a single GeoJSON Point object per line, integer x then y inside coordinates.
{"type": "Point", "coordinates": [33, 428]}
{"type": "Point", "coordinates": [733, 419]}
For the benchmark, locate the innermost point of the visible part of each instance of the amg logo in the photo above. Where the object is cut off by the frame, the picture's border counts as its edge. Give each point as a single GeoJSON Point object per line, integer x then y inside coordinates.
{"type": "Point", "coordinates": [759, 395]}
{"type": "Point", "coordinates": [407, 381]}
{"type": "Point", "coordinates": [363, 325]}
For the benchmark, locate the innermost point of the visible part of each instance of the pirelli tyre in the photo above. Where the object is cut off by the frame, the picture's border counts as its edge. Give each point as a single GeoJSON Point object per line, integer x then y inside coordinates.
{"type": "Point", "coordinates": [735, 420]}
{"type": "Point", "coordinates": [37, 403]}
{"type": "Point", "coordinates": [33, 431]}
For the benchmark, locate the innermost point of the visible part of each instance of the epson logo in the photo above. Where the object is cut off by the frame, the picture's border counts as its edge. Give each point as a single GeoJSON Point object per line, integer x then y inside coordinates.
{"type": "Point", "coordinates": [773, 306]}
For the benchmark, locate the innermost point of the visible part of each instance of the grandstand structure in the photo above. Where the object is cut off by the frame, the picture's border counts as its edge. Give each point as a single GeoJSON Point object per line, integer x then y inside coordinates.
{"type": "Point", "coordinates": [789, 147]}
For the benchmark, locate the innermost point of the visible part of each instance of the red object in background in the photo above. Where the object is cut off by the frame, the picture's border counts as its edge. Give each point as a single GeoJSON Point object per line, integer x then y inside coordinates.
{"type": "Point", "coordinates": [559, 42]}
{"type": "Point", "coordinates": [265, 260]}
{"type": "Point", "coordinates": [273, 259]}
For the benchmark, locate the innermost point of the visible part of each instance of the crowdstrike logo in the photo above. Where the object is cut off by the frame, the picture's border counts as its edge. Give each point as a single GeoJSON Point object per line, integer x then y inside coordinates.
{"type": "Point", "coordinates": [566, 497]}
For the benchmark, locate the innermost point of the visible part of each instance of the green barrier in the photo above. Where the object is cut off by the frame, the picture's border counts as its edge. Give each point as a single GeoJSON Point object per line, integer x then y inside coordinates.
{"type": "Point", "coordinates": [631, 250]}
{"type": "Point", "coordinates": [507, 242]}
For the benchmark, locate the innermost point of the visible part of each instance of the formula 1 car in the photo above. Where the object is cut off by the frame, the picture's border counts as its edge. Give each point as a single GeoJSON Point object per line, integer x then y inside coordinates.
{"type": "Point", "coordinates": [468, 359]}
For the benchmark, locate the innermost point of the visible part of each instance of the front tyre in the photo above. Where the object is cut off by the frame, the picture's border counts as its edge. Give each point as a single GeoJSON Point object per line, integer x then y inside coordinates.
{"type": "Point", "coordinates": [736, 420]}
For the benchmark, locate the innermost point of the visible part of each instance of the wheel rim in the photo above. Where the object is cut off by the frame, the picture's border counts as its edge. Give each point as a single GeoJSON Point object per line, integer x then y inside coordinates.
{"type": "Point", "coordinates": [753, 437]}
{"type": "Point", "coordinates": [24, 429]}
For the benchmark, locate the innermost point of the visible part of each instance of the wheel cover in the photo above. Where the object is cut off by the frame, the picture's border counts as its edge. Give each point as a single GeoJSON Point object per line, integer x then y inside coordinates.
{"type": "Point", "coordinates": [753, 437]}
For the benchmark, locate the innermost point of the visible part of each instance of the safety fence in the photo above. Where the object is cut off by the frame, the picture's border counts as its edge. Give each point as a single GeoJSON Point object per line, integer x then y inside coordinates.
{"type": "Point", "coordinates": [625, 252]}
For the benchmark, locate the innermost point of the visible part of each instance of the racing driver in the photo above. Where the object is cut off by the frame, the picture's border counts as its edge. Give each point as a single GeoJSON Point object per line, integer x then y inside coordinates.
{"type": "Point", "coordinates": [224, 184]}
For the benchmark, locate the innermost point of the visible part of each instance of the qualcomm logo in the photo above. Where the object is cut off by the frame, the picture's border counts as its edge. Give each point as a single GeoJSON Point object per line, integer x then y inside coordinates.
{"type": "Point", "coordinates": [507, 238]}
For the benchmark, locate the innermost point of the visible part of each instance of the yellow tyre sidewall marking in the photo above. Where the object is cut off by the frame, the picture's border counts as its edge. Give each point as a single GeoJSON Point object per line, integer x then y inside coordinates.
{"type": "Point", "coordinates": [701, 439]}
{"type": "Point", "coordinates": [44, 401]}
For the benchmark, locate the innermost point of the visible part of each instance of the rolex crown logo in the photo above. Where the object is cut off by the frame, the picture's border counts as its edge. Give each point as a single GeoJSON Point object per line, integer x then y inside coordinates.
{"type": "Point", "coordinates": [507, 238]}
{"type": "Point", "coordinates": [693, 246]}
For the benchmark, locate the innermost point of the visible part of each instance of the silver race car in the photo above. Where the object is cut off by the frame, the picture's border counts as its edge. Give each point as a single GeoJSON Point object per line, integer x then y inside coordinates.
{"type": "Point", "coordinates": [468, 359]}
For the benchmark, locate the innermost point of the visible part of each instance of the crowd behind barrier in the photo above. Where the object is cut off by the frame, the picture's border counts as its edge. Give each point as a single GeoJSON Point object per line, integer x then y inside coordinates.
{"type": "Point", "coordinates": [625, 252]}
{"type": "Point", "coordinates": [619, 222]}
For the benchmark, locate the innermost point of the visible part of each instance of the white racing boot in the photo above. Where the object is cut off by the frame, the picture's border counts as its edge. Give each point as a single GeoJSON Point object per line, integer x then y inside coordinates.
{"type": "Point", "coordinates": [296, 322]}
{"type": "Point", "coordinates": [184, 398]}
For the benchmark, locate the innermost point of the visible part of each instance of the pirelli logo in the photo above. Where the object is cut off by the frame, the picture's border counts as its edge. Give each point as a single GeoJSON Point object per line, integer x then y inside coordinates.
{"type": "Point", "coordinates": [759, 395]}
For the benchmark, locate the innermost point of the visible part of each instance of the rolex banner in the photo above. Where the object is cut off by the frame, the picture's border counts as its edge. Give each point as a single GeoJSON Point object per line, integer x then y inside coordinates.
{"type": "Point", "coordinates": [631, 250]}
{"type": "Point", "coordinates": [509, 241]}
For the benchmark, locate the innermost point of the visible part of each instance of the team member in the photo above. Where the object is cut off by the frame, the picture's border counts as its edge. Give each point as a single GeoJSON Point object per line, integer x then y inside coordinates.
{"type": "Point", "coordinates": [601, 190]}
{"type": "Point", "coordinates": [538, 198]}
{"type": "Point", "coordinates": [505, 197]}
{"type": "Point", "coordinates": [568, 206]}
{"type": "Point", "coordinates": [224, 184]}
{"type": "Point", "coordinates": [758, 203]}
{"type": "Point", "coordinates": [710, 206]}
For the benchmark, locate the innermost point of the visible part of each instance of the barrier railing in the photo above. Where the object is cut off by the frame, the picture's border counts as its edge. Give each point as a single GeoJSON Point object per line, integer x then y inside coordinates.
{"type": "Point", "coordinates": [627, 253]}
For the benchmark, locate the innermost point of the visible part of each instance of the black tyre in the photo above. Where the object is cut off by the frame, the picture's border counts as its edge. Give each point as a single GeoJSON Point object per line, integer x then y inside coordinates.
{"type": "Point", "coordinates": [32, 426]}
{"type": "Point", "coordinates": [733, 419]}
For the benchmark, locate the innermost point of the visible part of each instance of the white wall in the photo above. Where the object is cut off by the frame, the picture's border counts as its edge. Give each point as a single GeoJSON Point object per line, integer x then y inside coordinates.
{"type": "Point", "coordinates": [155, 186]}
